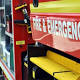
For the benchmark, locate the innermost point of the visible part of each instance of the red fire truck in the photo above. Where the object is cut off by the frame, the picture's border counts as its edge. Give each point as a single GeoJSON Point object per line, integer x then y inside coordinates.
{"type": "Point", "coordinates": [48, 33]}
{"type": "Point", "coordinates": [55, 27]}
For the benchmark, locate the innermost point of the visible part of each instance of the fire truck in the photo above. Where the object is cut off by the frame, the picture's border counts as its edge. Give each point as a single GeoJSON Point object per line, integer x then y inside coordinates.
{"type": "Point", "coordinates": [46, 35]}
{"type": "Point", "coordinates": [55, 26]}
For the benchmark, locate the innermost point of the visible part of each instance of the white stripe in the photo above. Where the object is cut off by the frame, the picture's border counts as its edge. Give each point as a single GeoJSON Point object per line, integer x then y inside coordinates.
{"type": "Point", "coordinates": [43, 37]}
{"type": "Point", "coordinates": [5, 71]}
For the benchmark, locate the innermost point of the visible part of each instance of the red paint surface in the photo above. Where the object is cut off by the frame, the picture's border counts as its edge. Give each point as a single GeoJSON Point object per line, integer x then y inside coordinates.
{"type": "Point", "coordinates": [20, 34]}
{"type": "Point", "coordinates": [66, 45]}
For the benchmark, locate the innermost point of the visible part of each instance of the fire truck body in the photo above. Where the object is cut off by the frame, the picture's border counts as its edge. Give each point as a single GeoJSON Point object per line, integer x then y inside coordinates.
{"type": "Point", "coordinates": [56, 24]}
{"type": "Point", "coordinates": [54, 54]}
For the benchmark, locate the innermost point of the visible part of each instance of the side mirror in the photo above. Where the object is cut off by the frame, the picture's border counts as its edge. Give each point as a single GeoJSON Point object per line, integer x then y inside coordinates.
{"type": "Point", "coordinates": [35, 3]}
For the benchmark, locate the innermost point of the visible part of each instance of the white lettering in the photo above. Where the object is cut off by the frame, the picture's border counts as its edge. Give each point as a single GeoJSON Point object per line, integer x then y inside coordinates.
{"type": "Point", "coordinates": [52, 28]}
{"type": "Point", "coordinates": [64, 29]}
{"type": "Point", "coordinates": [60, 28]}
{"type": "Point", "coordinates": [69, 30]}
{"type": "Point", "coordinates": [56, 27]}
{"type": "Point", "coordinates": [49, 26]}
{"type": "Point", "coordinates": [79, 30]}
{"type": "Point", "coordinates": [74, 31]}
{"type": "Point", "coordinates": [44, 26]}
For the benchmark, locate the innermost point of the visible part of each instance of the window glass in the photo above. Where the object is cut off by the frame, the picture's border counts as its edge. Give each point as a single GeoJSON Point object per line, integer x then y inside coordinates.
{"type": "Point", "coordinates": [6, 34]}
